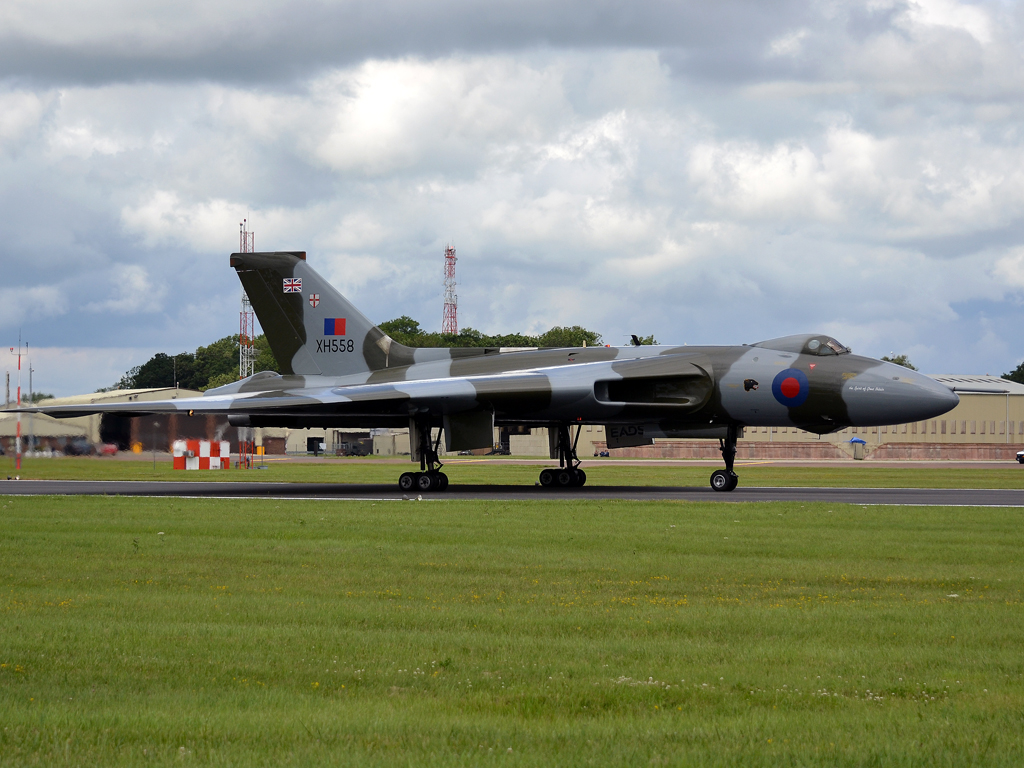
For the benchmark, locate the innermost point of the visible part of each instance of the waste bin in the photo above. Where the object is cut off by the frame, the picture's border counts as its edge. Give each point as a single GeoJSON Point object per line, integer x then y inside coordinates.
{"type": "Point", "coordinates": [858, 448]}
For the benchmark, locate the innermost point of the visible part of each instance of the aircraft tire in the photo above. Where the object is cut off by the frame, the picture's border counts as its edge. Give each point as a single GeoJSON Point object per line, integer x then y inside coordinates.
{"type": "Point", "coordinates": [548, 478]}
{"type": "Point", "coordinates": [581, 478]}
{"type": "Point", "coordinates": [566, 478]}
{"type": "Point", "coordinates": [427, 481]}
{"type": "Point", "coordinates": [734, 480]}
{"type": "Point", "coordinates": [721, 481]}
{"type": "Point", "coordinates": [442, 481]}
{"type": "Point", "coordinates": [407, 481]}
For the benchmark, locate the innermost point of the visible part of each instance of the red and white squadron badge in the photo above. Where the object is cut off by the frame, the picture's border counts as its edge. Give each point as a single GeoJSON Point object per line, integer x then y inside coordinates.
{"type": "Point", "coordinates": [314, 299]}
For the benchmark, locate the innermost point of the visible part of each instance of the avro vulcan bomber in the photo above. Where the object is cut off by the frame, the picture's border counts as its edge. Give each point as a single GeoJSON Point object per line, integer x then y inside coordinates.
{"type": "Point", "coordinates": [340, 370]}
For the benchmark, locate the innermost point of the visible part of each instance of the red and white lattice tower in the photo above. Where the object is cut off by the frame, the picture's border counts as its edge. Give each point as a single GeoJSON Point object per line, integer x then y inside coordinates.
{"type": "Point", "coordinates": [450, 323]}
{"type": "Point", "coordinates": [246, 318]}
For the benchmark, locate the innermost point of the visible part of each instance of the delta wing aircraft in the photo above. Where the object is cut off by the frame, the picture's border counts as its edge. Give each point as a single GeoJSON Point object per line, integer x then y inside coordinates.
{"type": "Point", "coordinates": [338, 369]}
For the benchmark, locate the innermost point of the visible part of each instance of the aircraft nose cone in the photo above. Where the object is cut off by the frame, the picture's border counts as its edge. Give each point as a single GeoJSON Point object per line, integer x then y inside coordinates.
{"type": "Point", "coordinates": [891, 394]}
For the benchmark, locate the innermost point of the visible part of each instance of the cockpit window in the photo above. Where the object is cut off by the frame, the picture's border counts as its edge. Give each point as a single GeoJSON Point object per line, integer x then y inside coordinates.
{"type": "Point", "coordinates": [826, 346]}
{"type": "Point", "coordinates": [806, 345]}
{"type": "Point", "coordinates": [836, 347]}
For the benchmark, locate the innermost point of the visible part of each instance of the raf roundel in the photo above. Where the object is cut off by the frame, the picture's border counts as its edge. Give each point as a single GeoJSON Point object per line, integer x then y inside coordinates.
{"type": "Point", "coordinates": [790, 387]}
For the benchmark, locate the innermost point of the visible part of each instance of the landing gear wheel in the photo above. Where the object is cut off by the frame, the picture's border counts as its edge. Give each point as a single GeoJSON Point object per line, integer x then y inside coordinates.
{"type": "Point", "coordinates": [581, 478]}
{"type": "Point", "coordinates": [430, 477]}
{"type": "Point", "coordinates": [566, 478]}
{"type": "Point", "coordinates": [723, 480]}
{"type": "Point", "coordinates": [548, 477]}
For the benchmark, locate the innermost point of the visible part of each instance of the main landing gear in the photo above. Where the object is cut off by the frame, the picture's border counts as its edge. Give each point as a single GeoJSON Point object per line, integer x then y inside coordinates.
{"type": "Point", "coordinates": [430, 477]}
{"type": "Point", "coordinates": [568, 474]}
{"type": "Point", "coordinates": [726, 479]}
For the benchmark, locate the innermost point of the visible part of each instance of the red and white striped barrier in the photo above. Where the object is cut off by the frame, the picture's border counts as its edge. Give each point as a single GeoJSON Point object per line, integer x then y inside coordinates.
{"type": "Point", "coordinates": [202, 454]}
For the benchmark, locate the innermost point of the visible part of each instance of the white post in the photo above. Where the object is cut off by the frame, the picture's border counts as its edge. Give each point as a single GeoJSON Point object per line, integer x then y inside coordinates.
{"type": "Point", "coordinates": [17, 439]}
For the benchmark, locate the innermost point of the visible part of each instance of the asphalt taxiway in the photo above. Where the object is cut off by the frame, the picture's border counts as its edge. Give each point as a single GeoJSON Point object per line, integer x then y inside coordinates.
{"type": "Point", "coordinates": [337, 491]}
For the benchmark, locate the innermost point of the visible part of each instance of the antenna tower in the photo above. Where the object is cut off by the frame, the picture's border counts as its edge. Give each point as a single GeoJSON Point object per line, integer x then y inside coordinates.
{"type": "Point", "coordinates": [450, 323]}
{"type": "Point", "coordinates": [246, 318]}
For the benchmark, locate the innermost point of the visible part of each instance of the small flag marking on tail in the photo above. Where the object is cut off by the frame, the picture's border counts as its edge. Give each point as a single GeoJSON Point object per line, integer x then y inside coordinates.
{"type": "Point", "coordinates": [334, 326]}
{"type": "Point", "coordinates": [293, 285]}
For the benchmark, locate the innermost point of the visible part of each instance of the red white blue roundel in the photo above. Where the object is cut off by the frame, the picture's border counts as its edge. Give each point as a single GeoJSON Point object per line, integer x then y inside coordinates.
{"type": "Point", "coordinates": [791, 388]}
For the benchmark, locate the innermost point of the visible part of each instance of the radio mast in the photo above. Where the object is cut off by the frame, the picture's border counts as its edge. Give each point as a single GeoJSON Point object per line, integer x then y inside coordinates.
{"type": "Point", "coordinates": [450, 323]}
{"type": "Point", "coordinates": [246, 318]}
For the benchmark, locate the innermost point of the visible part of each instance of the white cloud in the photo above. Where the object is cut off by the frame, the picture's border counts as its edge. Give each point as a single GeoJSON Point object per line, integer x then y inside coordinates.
{"type": "Point", "coordinates": [133, 292]}
{"type": "Point", "coordinates": [965, 17]}
{"type": "Point", "coordinates": [789, 44]}
{"type": "Point", "coordinates": [20, 113]}
{"type": "Point", "coordinates": [1010, 269]}
{"type": "Point", "coordinates": [162, 217]}
{"type": "Point", "coordinates": [21, 306]}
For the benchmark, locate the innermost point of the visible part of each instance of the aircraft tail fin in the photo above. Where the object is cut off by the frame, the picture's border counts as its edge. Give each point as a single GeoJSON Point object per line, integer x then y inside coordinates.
{"type": "Point", "coordinates": [312, 329]}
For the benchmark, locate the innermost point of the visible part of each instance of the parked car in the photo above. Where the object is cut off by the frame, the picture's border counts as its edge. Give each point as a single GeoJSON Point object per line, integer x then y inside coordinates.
{"type": "Point", "coordinates": [78, 447]}
{"type": "Point", "coordinates": [1020, 457]}
{"type": "Point", "coordinates": [108, 449]}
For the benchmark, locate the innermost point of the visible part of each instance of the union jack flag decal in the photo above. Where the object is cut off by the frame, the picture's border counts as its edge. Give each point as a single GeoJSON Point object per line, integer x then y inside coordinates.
{"type": "Point", "coordinates": [293, 285]}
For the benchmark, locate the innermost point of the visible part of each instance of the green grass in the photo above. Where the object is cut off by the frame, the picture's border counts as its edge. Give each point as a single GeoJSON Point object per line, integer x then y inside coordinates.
{"type": "Point", "coordinates": [487, 472]}
{"type": "Point", "coordinates": [173, 631]}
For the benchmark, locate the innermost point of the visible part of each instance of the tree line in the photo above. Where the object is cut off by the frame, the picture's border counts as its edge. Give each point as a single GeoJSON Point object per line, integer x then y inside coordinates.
{"type": "Point", "coordinates": [207, 367]}
{"type": "Point", "coordinates": [407, 331]}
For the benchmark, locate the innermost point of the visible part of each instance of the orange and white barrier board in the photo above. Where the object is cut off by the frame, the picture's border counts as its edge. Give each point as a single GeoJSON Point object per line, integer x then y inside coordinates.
{"type": "Point", "coordinates": [202, 454]}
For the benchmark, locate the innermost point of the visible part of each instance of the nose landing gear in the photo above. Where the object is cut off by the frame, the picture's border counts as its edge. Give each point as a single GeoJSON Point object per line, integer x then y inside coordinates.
{"type": "Point", "coordinates": [568, 474]}
{"type": "Point", "coordinates": [726, 479]}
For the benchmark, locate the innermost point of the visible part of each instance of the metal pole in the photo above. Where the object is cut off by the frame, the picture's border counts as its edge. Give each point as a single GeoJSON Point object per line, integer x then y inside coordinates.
{"type": "Point", "coordinates": [17, 439]}
{"type": "Point", "coordinates": [155, 425]}
{"type": "Point", "coordinates": [17, 449]}
{"type": "Point", "coordinates": [31, 401]}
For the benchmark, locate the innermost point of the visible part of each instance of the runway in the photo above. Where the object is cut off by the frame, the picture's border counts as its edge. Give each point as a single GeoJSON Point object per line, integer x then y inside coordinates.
{"type": "Point", "coordinates": [338, 491]}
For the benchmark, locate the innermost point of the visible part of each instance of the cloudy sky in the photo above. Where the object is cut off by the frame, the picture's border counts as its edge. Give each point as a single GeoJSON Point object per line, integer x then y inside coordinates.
{"type": "Point", "coordinates": [704, 172]}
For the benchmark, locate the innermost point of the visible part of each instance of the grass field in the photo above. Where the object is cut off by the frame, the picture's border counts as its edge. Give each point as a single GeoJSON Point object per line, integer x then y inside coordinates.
{"type": "Point", "coordinates": [486, 472]}
{"type": "Point", "coordinates": [167, 631]}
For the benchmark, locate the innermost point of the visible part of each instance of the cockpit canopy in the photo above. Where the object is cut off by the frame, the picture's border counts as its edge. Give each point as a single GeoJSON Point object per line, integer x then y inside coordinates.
{"type": "Point", "coordinates": [806, 345]}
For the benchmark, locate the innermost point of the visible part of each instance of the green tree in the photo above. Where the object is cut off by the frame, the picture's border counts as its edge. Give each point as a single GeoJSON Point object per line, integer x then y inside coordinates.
{"type": "Point", "coordinates": [404, 330]}
{"type": "Point", "coordinates": [220, 380]}
{"type": "Point", "coordinates": [215, 361]}
{"type": "Point", "coordinates": [407, 331]}
{"type": "Point", "coordinates": [573, 336]}
{"type": "Point", "coordinates": [899, 360]}
{"type": "Point", "coordinates": [36, 397]}
{"type": "Point", "coordinates": [1017, 374]}
{"type": "Point", "coordinates": [265, 360]}
{"type": "Point", "coordinates": [158, 371]}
